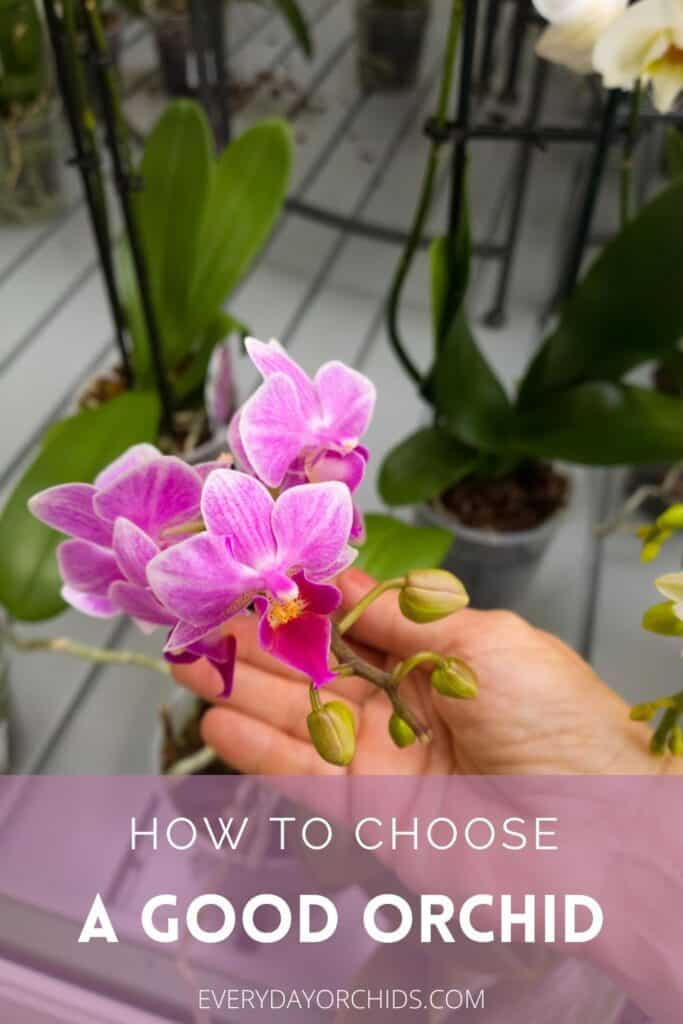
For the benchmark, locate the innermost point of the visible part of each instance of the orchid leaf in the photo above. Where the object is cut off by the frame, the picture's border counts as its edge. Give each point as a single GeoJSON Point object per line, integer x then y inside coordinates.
{"type": "Point", "coordinates": [220, 328]}
{"type": "Point", "coordinates": [602, 424]}
{"type": "Point", "coordinates": [393, 548]}
{"type": "Point", "coordinates": [626, 311]}
{"type": "Point", "coordinates": [673, 144]}
{"type": "Point", "coordinates": [247, 193]}
{"type": "Point", "coordinates": [75, 449]}
{"type": "Point", "coordinates": [467, 393]}
{"type": "Point", "coordinates": [422, 466]}
{"type": "Point", "coordinates": [293, 15]}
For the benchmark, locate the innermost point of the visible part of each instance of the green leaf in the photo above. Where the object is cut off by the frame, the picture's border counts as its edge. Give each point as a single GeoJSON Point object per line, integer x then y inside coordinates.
{"type": "Point", "coordinates": [74, 450]}
{"type": "Point", "coordinates": [221, 327]}
{"type": "Point", "coordinates": [673, 144]}
{"type": "Point", "coordinates": [177, 170]}
{"type": "Point", "coordinates": [602, 424]}
{"type": "Point", "coordinates": [450, 274]}
{"type": "Point", "coordinates": [468, 396]}
{"type": "Point", "coordinates": [293, 15]}
{"type": "Point", "coordinates": [626, 311]}
{"type": "Point", "coordinates": [393, 548]}
{"type": "Point", "coordinates": [422, 466]}
{"type": "Point", "coordinates": [660, 618]}
{"type": "Point", "coordinates": [247, 194]}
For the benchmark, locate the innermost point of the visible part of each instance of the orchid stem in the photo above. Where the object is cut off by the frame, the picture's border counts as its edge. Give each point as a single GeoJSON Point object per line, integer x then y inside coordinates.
{"type": "Point", "coordinates": [383, 680]}
{"type": "Point", "coordinates": [425, 201]}
{"type": "Point", "coordinates": [404, 668]}
{"type": "Point", "coordinates": [355, 613]}
{"type": "Point", "coordinates": [63, 645]}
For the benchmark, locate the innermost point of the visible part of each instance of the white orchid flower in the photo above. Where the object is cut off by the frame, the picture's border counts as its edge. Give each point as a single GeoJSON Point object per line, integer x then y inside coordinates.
{"type": "Point", "coordinates": [575, 27]}
{"type": "Point", "coordinates": [646, 43]}
{"type": "Point", "coordinates": [671, 587]}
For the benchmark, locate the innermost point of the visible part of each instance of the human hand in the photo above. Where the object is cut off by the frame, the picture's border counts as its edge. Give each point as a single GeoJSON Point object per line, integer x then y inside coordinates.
{"type": "Point", "coordinates": [540, 709]}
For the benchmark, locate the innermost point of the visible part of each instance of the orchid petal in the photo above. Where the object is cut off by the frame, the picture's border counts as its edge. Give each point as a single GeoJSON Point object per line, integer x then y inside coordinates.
{"type": "Point", "coordinates": [239, 507]}
{"type": "Point", "coordinates": [312, 524]}
{"type": "Point", "coordinates": [133, 550]}
{"type": "Point", "coordinates": [140, 603]}
{"type": "Point", "coordinates": [347, 399]}
{"type": "Point", "coordinates": [87, 567]}
{"type": "Point", "coordinates": [273, 428]}
{"type": "Point", "coordinates": [271, 358]}
{"type": "Point", "coordinates": [199, 581]}
{"type": "Point", "coordinates": [90, 604]}
{"type": "Point", "coordinates": [347, 467]}
{"type": "Point", "coordinates": [69, 509]}
{"type": "Point", "coordinates": [235, 443]}
{"type": "Point", "coordinates": [303, 644]}
{"type": "Point", "coordinates": [186, 641]}
{"type": "Point", "coordinates": [156, 494]}
{"type": "Point", "coordinates": [319, 598]}
{"type": "Point", "coordinates": [138, 455]}
{"type": "Point", "coordinates": [358, 526]}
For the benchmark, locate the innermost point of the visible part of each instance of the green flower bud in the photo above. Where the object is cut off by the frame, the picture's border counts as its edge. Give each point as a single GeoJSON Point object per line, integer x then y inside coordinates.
{"type": "Point", "coordinates": [643, 712]}
{"type": "Point", "coordinates": [676, 741]}
{"type": "Point", "coordinates": [400, 731]}
{"type": "Point", "coordinates": [333, 732]}
{"type": "Point", "coordinates": [661, 618]}
{"type": "Point", "coordinates": [672, 519]}
{"type": "Point", "coordinates": [431, 594]}
{"type": "Point", "coordinates": [453, 678]}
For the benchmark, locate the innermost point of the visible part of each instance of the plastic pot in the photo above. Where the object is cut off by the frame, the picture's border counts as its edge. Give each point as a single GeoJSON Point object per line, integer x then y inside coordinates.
{"type": "Point", "coordinates": [496, 567]}
{"type": "Point", "coordinates": [31, 165]}
{"type": "Point", "coordinates": [390, 39]}
{"type": "Point", "coordinates": [176, 48]}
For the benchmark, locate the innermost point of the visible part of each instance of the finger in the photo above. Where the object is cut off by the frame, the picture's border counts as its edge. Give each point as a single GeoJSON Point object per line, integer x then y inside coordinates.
{"type": "Point", "coordinates": [258, 748]}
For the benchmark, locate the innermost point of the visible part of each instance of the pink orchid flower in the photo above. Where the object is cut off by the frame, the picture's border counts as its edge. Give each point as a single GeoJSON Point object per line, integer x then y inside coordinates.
{"type": "Point", "coordinates": [117, 525]}
{"type": "Point", "coordinates": [295, 430]}
{"type": "Point", "coordinates": [273, 554]}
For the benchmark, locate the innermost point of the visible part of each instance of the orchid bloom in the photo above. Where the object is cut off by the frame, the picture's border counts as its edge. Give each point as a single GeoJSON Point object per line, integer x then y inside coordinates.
{"type": "Point", "coordinates": [117, 525]}
{"type": "Point", "coordinates": [645, 43]}
{"type": "Point", "coordinates": [295, 430]}
{"type": "Point", "coordinates": [671, 587]}
{"type": "Point", "coordinates": [575, 27]}
{"type": "Point", "coordinates": [273, 554]}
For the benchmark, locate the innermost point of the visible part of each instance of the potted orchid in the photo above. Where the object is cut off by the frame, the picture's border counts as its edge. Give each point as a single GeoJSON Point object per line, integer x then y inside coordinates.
{"type": "Point", "coordinates": [263, 531]}
{"type": "Point", "coordinates": [30, 178]}
{"type": "Point", "coordinates": [390, 41]}
{"type": "Point", "coordinates": [488, 464]}
{"type": "Point", "coordinates": [225, 207]}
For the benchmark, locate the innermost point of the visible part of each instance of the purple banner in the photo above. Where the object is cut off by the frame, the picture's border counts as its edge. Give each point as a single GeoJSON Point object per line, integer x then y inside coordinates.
{"type": "Point", "coordinates": [438, 898]}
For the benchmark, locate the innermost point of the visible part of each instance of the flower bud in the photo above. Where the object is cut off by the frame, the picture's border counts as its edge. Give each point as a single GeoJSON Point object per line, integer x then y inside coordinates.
{"type": "Point", "coordinates": [453, 678]}
{"type": "Point", "coordinates": [431, 594]}
{"type": "Point", "coordinates": [400, 731]}
{"type": "Point", "coordinates": [676, 741]}
{"type": "Point", "coordinates": [672, 519]}
{"type": "Point", "coordinates": [643, 712]}
{"type": "Point", "coordinates": [333, 732]}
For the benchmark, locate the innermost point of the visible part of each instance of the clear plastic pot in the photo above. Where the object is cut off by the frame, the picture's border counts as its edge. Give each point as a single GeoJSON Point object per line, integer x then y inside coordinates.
{"type": "Point", "coordinates": [390, 39]}
{"type": "Point", "coordinates": [495, 567]}
{"type": "Point", "coordinates": [31, 165]}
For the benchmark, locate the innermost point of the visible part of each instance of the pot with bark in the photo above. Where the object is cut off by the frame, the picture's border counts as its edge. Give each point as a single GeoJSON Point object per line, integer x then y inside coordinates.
{"type": "Point", "coordinates": [501, 530]}
{"type": "Point", "coordinates": [390, 39]}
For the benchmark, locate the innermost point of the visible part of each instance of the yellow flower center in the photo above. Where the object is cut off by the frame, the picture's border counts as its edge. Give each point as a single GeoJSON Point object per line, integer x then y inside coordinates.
{"type": "Point", "coordinates": [279, 613]}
